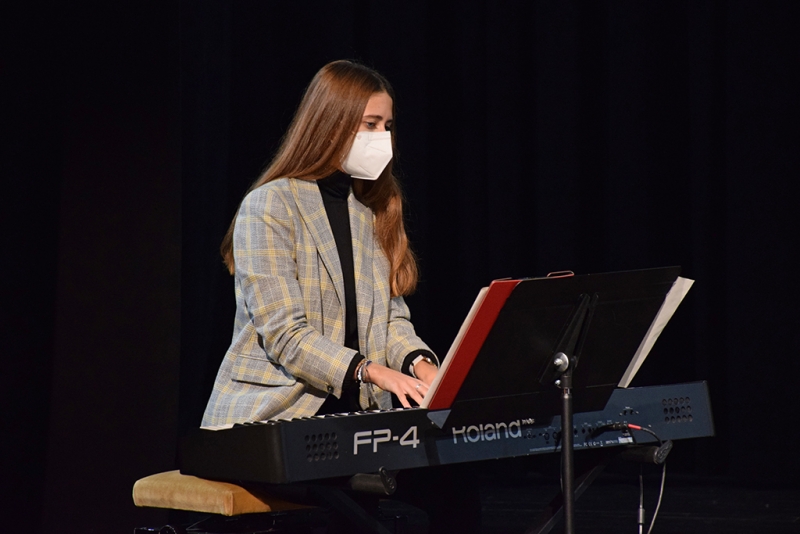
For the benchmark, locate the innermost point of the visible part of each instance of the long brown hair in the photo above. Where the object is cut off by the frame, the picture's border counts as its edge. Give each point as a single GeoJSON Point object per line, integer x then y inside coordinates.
{"type": "Point", "coordinates": [320, 134]}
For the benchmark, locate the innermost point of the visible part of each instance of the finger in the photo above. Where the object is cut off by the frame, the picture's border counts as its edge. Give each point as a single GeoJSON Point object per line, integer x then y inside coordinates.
{"type": "Point", "coordinates": [403, 401]}
{"type": "Point", "coordinates": [416, 393]}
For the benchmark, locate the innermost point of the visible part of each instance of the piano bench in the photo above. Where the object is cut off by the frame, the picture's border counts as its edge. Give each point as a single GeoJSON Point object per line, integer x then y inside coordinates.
{"type": "Point", "coordinates": [184, 492]}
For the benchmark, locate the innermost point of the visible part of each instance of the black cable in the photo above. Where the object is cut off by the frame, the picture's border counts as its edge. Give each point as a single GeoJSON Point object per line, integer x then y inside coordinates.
{"type": "Point", "coordinates": [660, 495]}
{"type": "Point", "coordinates": [640, 517]}
{"type": "Point", "coordinates": [629, 426]}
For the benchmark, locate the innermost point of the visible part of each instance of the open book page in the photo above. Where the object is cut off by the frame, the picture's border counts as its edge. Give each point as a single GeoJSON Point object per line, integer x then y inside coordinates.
{"type": "Point", "coordinates": [453, 348]}
{"type": "Point", "coordinates": [679, 289]}
{"type": "Point", "coordinates": [218, 427]}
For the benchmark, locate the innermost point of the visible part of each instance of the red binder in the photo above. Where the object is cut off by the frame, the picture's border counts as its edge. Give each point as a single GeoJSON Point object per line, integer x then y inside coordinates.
{"type": "Point", "coordinates": [467, 344]}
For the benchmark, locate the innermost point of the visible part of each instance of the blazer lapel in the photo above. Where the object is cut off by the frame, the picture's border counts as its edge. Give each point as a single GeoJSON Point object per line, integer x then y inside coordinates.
{"type": "Point", "coordinates": [312, 211]}
{"type": "Point", "coordinates": [362, 232]}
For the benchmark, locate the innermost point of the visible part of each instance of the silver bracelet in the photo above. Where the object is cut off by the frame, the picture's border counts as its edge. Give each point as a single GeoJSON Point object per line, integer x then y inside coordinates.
{"type": "Point", "coordinates": [362, 369]}
{"type": "Point", "coordinates": [363, 377]}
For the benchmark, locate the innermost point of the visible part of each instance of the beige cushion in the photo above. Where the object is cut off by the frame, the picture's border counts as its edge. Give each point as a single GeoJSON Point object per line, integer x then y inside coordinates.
{"type": "Point", "coordinates": [185, 492]}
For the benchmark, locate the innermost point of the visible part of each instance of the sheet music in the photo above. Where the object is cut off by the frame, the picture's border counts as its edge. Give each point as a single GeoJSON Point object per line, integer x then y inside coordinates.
{"type": "Point", "coordinates": [671, 302]}
{"type": "Point", "coordinates": [453, 348]}
{"type": "Point", "coordinates": [679, 289]}
{"type": "Point", "coordinates": [217, 427]}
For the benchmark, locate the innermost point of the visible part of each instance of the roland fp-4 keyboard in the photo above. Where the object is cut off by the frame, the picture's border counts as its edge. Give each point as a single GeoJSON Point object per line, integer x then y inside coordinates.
{"type": "Point", "coordinates": [311, 448]}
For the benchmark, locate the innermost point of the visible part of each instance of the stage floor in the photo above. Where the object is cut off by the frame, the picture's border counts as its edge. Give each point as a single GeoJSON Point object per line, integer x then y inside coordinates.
{"type": "Point", "coordinates": [512, 504]}
{"type": "Point", "coordinates": [610, 505]}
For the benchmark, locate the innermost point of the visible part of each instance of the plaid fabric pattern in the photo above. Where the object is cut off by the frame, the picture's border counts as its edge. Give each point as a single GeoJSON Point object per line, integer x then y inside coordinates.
{"type": "Point", "coordinates": [287, 351]}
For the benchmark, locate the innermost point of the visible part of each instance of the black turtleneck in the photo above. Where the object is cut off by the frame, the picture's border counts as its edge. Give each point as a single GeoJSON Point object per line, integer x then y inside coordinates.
{"type": "Point", "coordinates": [335, 189]}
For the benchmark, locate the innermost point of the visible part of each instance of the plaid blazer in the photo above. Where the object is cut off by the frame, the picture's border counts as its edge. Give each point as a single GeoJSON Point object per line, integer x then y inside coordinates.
{"type": "Point", "coordinates": [287, 354]}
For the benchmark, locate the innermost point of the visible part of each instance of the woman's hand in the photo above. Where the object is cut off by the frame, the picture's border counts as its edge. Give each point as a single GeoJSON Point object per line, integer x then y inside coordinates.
{"type": "Point", "coordinates": [404, 386]}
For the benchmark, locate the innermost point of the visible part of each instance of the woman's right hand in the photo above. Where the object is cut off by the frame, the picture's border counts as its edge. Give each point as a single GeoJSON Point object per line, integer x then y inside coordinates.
{"type": "Point", "coordinates": [404, 386]}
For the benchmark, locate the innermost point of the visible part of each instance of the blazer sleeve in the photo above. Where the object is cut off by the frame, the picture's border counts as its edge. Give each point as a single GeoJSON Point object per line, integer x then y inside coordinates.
{"type": "Point", "coordinates": [401, 339]}
{"type": "Point", "coordinates": [264, 244]}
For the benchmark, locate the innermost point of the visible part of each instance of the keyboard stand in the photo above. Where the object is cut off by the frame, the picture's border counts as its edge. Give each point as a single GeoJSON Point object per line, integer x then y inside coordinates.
{"type": "Point", "coordinates": [554, 511]}
{"type": "Point", "coordinates": [353, 503]}
{"type": "Point", "coordinates": [351, 511]}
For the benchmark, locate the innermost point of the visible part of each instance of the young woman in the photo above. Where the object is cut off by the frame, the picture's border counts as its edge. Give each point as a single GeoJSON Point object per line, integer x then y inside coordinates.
{"type": "Point", "coordinates": [321, 263]}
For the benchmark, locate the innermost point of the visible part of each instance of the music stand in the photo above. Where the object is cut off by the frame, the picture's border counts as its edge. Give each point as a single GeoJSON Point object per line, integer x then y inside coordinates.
{"type": "Point", "coordinates": [535, 332]}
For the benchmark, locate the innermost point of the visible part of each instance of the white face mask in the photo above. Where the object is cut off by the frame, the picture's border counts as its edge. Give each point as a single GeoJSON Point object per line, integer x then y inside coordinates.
{"type": "Point", "coordinates": [370, 154]}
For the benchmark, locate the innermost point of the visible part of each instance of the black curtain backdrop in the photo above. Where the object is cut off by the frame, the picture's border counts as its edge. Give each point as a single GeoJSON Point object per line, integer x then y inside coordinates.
{"type": "Point", "coordinates": [533, 137]}
{"type": "Point", "coordinates": [91, 208]}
